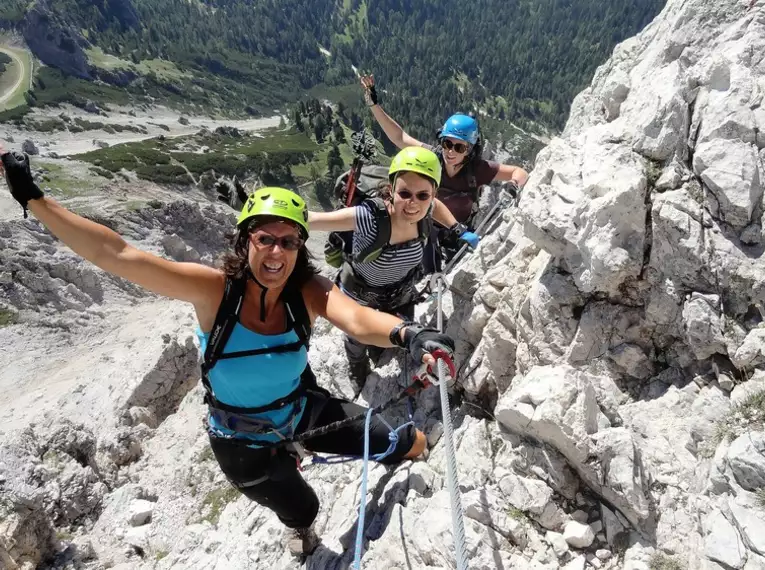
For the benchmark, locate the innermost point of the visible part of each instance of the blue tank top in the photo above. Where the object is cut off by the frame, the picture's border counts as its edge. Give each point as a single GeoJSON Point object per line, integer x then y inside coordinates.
{"type": "Point", "coordinates": [258, 380]}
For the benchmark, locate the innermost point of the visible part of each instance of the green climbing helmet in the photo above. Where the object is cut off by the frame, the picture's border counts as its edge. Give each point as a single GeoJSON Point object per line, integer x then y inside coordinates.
{"type": "Point", "coordinates": [419, 160]}
{"type": "Point", "coordinates": [278, 203]}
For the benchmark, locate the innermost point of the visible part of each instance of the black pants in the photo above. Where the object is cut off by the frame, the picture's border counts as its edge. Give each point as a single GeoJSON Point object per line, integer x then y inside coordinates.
{"type": "Point", "coordinates": [271, 477]}
{"type": "Point", "coordinates": [357, 351]}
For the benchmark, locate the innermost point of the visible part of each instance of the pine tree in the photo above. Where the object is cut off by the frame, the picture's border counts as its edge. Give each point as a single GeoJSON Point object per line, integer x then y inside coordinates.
{"type": "Point", "coordinates": [338, 132]}
{"type": "Point", "coordinates": [335, 164]}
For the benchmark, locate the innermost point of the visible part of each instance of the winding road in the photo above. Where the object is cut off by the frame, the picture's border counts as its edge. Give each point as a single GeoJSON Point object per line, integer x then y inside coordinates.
{"type": "Point", "coordinates": [22, 74]}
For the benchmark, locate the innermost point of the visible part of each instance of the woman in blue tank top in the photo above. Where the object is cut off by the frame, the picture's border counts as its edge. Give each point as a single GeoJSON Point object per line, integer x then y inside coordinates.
{"type": "Point", "coordinates": [255, 316]}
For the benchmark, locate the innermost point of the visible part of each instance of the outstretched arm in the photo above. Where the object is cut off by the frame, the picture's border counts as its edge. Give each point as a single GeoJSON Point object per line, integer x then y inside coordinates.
{"type": "Point", "coordinates": [442, 214]}
{"type": "Point", "coordinates": [514, 173]}
{"type": "Point", "coordinates": [368, 326]}
{"type": "Point", "coordinates": [106, 249]}
{"type": "Point", "coordinates": [392, 129]}
{"type": "Point", "coordinates": [324, 299]}
{"type": "Point", "coordinates": [337, 221]}
{"type": "Point", "coordinates": [191, 282]}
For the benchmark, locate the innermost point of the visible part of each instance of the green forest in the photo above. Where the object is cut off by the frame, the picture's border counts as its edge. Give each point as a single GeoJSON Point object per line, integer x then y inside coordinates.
{"type": "Point", "coordinates": [523, 60]}
{"type": "Point", "coordinates": [517, 60]}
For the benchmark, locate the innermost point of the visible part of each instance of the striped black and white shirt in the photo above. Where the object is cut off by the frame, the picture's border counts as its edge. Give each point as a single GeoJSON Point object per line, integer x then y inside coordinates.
{"type": "Point", "coordinates": [392, 265]}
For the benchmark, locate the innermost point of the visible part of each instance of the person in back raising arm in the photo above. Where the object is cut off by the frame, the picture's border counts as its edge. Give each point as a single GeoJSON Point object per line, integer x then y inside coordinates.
{"type": "Point", "coordinates": [459, 150]}
{"type": "Point", "coordinates": [389, 235]}
{"type": "Point", "coordinates": [255, 315]}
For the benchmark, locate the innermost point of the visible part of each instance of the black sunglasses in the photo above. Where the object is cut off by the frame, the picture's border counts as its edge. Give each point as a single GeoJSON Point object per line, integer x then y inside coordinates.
{"type": "Point", "coordinates": [264, 240]}
{"type": "Point", "coordinates": [408, 195]}
{"type": "Point", "coordinates": [459, 148]}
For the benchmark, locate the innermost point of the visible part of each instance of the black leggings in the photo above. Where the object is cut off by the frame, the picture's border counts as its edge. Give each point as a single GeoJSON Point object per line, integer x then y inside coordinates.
{"type": "Point", "coordinates": [271, 477]}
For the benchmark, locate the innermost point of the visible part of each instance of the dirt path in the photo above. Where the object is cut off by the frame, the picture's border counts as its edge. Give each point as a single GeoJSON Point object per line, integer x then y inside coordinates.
{"type": "Point", "coordinates": [158, 121]}
{"type": "Point", "coordinates": [22, 74]}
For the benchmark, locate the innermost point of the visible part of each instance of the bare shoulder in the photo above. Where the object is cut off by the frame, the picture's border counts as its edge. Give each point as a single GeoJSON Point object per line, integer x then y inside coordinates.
{"type": "Point", "coordinates": [315, 295]}
{"type": "Point", "coordinates": [211, 283]}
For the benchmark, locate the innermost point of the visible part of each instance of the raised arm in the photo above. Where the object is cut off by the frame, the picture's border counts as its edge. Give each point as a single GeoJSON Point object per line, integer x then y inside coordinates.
{"type": "Point", "coordinates": [392, 129]}
{"type": "Point", "coordinates": [192, 282]}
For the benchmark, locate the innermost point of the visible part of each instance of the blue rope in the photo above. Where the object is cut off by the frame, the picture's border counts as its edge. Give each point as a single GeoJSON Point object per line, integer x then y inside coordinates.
{"type": "Point", "coordinates": [363, 497]}
{"type": "Point", "coordinates": [393, 437]}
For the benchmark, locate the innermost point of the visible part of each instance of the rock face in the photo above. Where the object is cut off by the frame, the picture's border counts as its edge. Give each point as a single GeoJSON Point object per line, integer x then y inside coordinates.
{"type": "Point", "coordinates": [54, 42]}
{"type": "Point", "coordinates": [51, 37]}
{"type": "Point", "coordinates": [30, 147]}
{"type": "Point", "coordinates": [609, 331]}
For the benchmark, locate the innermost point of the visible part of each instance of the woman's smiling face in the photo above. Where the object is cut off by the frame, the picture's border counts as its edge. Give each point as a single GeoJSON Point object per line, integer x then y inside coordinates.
{"type": "Point", "coordinates": [454, 150]}
{"type": "Point", "coordinates": [412, 196]}
{"type": "Point", "coordinates": [272, 252]}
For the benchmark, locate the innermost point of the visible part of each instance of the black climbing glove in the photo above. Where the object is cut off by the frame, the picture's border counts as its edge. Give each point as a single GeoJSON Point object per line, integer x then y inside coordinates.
{"type": "Point", "coordinates": [370, 96]}
{"type": "Point", "coordinates": [241, 192]}
{"type": "Point", "coordinates": [454, 232]}
{"type": "Point", "coordinates": [420, 341]}
{"type": "Point", "coordinates": [18, 175]}
{"type": "Point", "coordinates": [231, 192]}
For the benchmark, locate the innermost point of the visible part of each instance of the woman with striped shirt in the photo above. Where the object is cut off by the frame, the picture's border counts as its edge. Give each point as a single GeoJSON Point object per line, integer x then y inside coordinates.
{"type": "Point", "coordinates": [381, 273]}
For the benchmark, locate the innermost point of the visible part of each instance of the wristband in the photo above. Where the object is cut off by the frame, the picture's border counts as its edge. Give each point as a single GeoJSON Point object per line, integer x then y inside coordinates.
{"type": "Point", "coordinates": [395, 334]}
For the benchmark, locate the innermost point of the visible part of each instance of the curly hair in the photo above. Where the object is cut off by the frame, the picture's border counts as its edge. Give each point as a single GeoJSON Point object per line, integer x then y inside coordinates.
{"type": "Point", "coordinates": [235, 263]}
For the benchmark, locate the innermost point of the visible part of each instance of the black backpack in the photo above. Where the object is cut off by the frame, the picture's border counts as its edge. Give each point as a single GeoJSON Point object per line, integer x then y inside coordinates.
{"type": "Point", "coordinates": [369, 184]}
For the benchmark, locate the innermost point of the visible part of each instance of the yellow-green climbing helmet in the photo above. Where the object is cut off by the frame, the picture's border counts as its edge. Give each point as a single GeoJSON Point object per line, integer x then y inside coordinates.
{"type": "Point", "coordinates": [276, 202]}
{"type": "Point", "coordinates": [419, 160]}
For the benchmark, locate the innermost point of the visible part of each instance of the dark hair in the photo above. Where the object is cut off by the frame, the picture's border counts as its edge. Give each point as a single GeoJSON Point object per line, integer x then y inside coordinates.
{"type": "Point", "coordinates": [384, 189]}
{"type": "Point", "coordinates": [235, 263]}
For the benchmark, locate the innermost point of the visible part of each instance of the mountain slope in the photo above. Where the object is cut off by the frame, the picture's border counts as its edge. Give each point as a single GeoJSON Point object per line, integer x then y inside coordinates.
{"type": "Point", "coordinates": [519, 60]}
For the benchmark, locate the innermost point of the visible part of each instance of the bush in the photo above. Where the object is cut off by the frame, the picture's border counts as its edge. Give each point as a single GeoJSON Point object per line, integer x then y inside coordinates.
{"type": "Point", "coordinates": [102, 172]}
{"type": "Point", "coordinates": [164, 174]}
{"type": "Point", "coordinates": [661, 561]}
{"type": "Point", "coordinates": [8, 317]}
{"type": "Point", "coordinates": [15, 115]}
{"type": "Point", "coordinates": [49, 125]}
{"type": "Point", "coordinates": [745, 416]}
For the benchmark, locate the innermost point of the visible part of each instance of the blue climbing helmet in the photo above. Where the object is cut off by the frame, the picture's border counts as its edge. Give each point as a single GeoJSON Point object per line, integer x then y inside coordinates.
{"type": "Point", "coordinates": [462, 127]}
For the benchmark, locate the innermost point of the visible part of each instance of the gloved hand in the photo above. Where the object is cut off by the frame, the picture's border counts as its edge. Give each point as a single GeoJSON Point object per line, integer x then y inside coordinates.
{"type": "Point", "coordinates": [18, 175]}
{"type": "Point", "coordinates": [512, 188]}
{"type": "Point", "coordinates": [460, 232]}
{"type": "Point", "coordinates": [422, 342]}
{"type": "Point", "coordinates": [471, 238]}
{"type": "Point", "coordinates": [370, 93]}
{"type": "Point", "coordinates": [232, 192]}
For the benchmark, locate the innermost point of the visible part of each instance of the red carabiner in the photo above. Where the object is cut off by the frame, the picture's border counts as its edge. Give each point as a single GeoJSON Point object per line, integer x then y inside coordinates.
{"type": "Point", "coordinates": [440, 354]}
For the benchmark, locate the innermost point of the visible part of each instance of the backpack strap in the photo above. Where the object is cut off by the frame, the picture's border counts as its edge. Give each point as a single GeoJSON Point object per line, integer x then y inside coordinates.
{"type": "Point", "coordinates": [225, 321]}
{"type": "Point", "coordinates": [297, 313]}
{"type": "Point", "coordinates": [382, 219]}
{"type": "Point", "coordinates": [423, 228]}
{"type": "Point", "coordinates": [472, 182]}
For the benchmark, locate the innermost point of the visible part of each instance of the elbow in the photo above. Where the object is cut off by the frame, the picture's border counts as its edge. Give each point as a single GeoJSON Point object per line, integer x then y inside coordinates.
{"type": "Point", "coordinates": [356, 325]}
{"type": "Point", "coordinates": [112, 256]}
